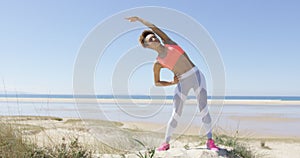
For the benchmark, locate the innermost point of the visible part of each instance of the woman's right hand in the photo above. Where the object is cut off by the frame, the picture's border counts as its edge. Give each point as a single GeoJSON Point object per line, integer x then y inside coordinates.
{"type": "Point", "coordinates": [176, 80]}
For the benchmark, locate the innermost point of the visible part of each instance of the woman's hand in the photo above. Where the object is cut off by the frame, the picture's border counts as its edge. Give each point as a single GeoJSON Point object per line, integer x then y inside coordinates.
{"type": "Point", "coordinates": [176, 80]}
{"type": "Point", "coordinates": [133, 19]}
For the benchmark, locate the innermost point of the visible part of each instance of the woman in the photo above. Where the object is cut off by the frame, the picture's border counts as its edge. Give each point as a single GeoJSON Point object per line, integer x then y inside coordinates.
{"type": "Point", "coordinates": [186, 76]}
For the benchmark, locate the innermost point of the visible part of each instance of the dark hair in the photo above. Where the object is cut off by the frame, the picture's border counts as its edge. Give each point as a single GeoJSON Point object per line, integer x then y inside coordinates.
{"type": "Point", "coordinates": [143, 36]}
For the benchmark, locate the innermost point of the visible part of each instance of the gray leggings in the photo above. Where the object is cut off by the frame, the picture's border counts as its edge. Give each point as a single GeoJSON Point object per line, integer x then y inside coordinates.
{"type": "Point", "coordinates": [192, 79]}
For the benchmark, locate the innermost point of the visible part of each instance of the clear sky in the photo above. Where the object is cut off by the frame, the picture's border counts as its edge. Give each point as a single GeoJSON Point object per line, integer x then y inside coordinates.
{"type": "Point", "coordinates": [258, 41]}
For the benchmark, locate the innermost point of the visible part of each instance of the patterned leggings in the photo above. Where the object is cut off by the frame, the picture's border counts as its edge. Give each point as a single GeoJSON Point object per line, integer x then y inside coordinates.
{"type": "Point", "coordinates": [192, 79]}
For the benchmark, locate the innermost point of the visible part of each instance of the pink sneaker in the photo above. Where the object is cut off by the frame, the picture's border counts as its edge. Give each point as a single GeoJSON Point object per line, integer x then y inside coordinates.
{"type": "Point", "coordinates": [211, 145]}
{"type": "Point", "coordinates": [164, 147]}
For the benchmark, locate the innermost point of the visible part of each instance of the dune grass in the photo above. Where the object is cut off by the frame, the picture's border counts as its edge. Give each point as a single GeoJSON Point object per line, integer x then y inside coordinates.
{"type": "Point", "coordinates": [27, 118]}
{"type": "Point", "coordinates": [14, 144]}
{"type": "Point", "coordinates": [238, 145]}
{"type": "Point", "coordinates": [14, 140]}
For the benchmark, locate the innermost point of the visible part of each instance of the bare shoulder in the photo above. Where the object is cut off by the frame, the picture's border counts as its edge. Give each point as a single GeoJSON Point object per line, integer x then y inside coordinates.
{"type": "Point", "coordinates": [157, 65]}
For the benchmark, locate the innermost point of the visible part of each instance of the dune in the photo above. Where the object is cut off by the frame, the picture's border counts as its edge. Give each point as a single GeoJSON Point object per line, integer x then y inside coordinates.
{"type": "Point", "coordinates": [117, 139]}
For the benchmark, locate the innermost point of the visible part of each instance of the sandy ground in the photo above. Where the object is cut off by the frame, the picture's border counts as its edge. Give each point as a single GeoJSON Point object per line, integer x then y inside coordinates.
{"type": "Point", "coordinates": [97, 135]}
{"type": "Point", "coordinates": [274, 145]}
{"type": "Point", "coordinates": [277, 148]}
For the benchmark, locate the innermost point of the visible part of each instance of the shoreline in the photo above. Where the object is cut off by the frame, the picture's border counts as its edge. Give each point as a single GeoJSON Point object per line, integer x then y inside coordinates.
{"type": "Point", "coordinates": [272, 116]}
{"type": "Point", "coordinates": [148, 101]}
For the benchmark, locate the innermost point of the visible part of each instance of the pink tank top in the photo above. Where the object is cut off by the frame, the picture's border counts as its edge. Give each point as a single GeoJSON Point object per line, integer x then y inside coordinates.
{"type": "Point", "coordinates": [173, 54]}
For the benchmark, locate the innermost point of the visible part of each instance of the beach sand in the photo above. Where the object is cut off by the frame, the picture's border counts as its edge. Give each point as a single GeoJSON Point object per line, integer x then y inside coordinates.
{"type": "Point", "coordinates": [98, 135]}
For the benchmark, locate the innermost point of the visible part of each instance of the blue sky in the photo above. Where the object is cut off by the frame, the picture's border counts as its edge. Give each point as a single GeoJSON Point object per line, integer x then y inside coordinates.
{"type": "Point", "coordinates": [258, 41]}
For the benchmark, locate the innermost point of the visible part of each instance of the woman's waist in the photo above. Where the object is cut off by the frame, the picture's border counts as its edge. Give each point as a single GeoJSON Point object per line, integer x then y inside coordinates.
{"type": "Point", "coordinates": [188, 73]}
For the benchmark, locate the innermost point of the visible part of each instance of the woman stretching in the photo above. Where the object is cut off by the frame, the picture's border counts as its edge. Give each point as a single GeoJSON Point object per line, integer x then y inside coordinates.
{"type": "Point", "coordinates": [186, 75]}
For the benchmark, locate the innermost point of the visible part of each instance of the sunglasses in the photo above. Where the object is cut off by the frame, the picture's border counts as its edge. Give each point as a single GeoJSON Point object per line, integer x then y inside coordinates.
{"type": "Point", "coordinates": [150, 38]}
